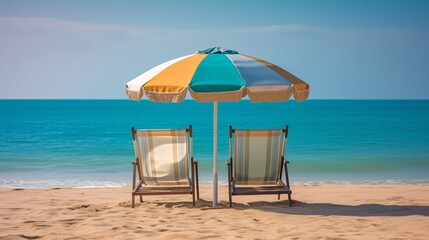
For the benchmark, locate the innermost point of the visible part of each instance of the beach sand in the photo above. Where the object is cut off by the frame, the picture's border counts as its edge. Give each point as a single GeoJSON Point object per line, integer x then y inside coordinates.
{"type": "Point", "coordinates": [318, 212]}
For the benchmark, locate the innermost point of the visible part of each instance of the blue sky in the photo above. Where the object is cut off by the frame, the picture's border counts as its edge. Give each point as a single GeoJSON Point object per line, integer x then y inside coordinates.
{"type": "Point", "coordinates": [90, 49]}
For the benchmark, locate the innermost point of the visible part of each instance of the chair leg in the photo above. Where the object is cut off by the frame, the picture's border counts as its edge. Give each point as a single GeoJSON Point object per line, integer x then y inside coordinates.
{"type": "Point", "coordinates": [134, 182]}
{"type": "Point", "coordinates": [193, 198]}
{"type": "Point", "coordinates": [229, 184]}
{"type": "Point", "coordinates": [230, 199]}
{"type": "Point", "coordinates": [278, 197]}
{"type": "Point", "coordinates": [132, 200]}
{"type": "Point", "coordinates": [287, 184]}
{"type": "Point", "coordinates": [141, 198]}
{"type": "Point", "coordinates": [193, 193]}
{"type": "Point", "coordinates": [198, 182]}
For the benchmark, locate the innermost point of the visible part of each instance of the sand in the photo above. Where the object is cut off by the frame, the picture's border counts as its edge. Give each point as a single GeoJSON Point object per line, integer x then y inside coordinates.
{"type": "Point", "coordinates": [318, 212]}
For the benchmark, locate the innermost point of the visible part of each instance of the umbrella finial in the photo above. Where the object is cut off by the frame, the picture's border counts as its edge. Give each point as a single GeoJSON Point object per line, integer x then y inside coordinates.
{"type": "Point", "coordinates": [217, 50]}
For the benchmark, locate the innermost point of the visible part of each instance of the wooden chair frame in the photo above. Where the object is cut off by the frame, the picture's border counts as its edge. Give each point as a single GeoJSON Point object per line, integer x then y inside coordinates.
{"type": "Point", "coordinates": [279, 188]}
{"type": "Point", "coordinates": [140, 189]}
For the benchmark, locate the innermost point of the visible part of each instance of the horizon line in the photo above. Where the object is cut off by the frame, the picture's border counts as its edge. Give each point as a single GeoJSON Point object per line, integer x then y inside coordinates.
{"type": "Point", "coordinates": [190, 99]}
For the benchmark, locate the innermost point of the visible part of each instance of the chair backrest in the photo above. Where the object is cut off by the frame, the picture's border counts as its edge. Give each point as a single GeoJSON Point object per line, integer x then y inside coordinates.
{"type": "Point", "coordinates": [257, 156]}
{"type": "Point", "coordinates": [163, 156]}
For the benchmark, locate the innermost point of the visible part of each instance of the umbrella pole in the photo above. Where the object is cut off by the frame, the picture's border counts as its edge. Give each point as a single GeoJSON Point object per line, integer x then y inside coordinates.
{"type": "Point", "coordinates": [215, 154]}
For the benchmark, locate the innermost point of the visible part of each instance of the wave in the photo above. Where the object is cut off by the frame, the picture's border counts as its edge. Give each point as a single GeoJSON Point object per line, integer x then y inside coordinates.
{"type": "Point", "coordinates": [74, 183]}
{"type": "Point", "coordinates": [78, 183]}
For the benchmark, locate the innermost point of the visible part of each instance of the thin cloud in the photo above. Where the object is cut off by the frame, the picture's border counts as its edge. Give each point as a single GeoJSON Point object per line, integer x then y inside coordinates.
{"type": "Point", "coordinates": [52, 24]}
{"type": "Point", "coordinates": [351, 32]}
{"type": "Point", "coordinates": [286, 28]}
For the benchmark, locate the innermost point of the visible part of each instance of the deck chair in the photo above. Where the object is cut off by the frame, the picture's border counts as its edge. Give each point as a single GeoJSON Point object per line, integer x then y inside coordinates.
{"type": "Point", "coordinates": [256, 163]}
{"type": "Point", "coordinates": [163, 162]}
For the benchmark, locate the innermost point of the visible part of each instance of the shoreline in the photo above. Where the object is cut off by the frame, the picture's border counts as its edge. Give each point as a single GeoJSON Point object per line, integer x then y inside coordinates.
{"type": "Point", "coordinates": [318, 211]}
{"type": "Point", "coordinates": [319, 183]}
{"type": "Point", "coordinates": [94, 183]}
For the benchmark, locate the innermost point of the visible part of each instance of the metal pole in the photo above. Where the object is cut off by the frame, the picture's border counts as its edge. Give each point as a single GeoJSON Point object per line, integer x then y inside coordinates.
{"type": "Point", "coordinates": [215, 154]}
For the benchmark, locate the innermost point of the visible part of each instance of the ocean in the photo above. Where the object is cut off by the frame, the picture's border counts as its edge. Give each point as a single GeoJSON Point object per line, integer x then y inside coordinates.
{"type": "Point", "coordinates": [87, 143]}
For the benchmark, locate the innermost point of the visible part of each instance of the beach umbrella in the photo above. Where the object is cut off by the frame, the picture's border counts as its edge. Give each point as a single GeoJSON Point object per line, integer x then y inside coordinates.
{"type": "Point", "coordinates": [217, 75]}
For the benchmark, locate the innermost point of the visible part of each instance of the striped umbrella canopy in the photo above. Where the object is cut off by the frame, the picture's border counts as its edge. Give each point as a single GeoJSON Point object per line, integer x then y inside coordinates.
{"type": "Point", "coordinates": [217, 75]}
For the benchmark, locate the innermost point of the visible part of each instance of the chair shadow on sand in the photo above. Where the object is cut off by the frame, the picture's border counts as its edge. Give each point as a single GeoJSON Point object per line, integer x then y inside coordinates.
{"type": "Point", "coordinates": [202, 204]}
{"type": "Point", "coordinates": [329, 209]}
{"type": "Point", "coordinates": [302, 208]}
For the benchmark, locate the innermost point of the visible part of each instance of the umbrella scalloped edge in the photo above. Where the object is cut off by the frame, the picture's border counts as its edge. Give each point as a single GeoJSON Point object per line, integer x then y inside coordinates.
{"type": "Point", "coordinates": [301, 95]}
{"type": "Point", "coordinates": [175, 97]}
{"type": "Point", "coordinates": [234, 96]}
{"type": "Point", "coordinates": [134, 95]}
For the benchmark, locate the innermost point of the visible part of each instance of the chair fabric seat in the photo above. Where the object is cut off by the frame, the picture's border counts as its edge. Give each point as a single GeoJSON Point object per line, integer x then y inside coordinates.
{"type": "Point", "coordinates": [254, 190]}
{"type": "Point", "coordinates": [256, 162]}
{"type": "Point", "coordinates": [164, 163]}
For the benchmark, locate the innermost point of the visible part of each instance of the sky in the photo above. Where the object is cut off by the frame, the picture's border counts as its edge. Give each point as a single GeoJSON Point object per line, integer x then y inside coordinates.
{"type": "Point", "coordinates": [90, 49]}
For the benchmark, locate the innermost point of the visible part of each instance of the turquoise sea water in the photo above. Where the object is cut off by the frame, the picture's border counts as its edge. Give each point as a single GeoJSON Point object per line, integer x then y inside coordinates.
{"type": "Point", "coordinates": [83, 143]}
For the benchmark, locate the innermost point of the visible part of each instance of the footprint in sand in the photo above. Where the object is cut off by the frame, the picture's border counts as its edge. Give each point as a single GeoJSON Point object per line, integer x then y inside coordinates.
{"type": "Point", "coordinates": [19, 237]}
{"type": "Point", "coordinates": [89, 207]}
{"type": "Point", "coordinates": [124, 204]}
